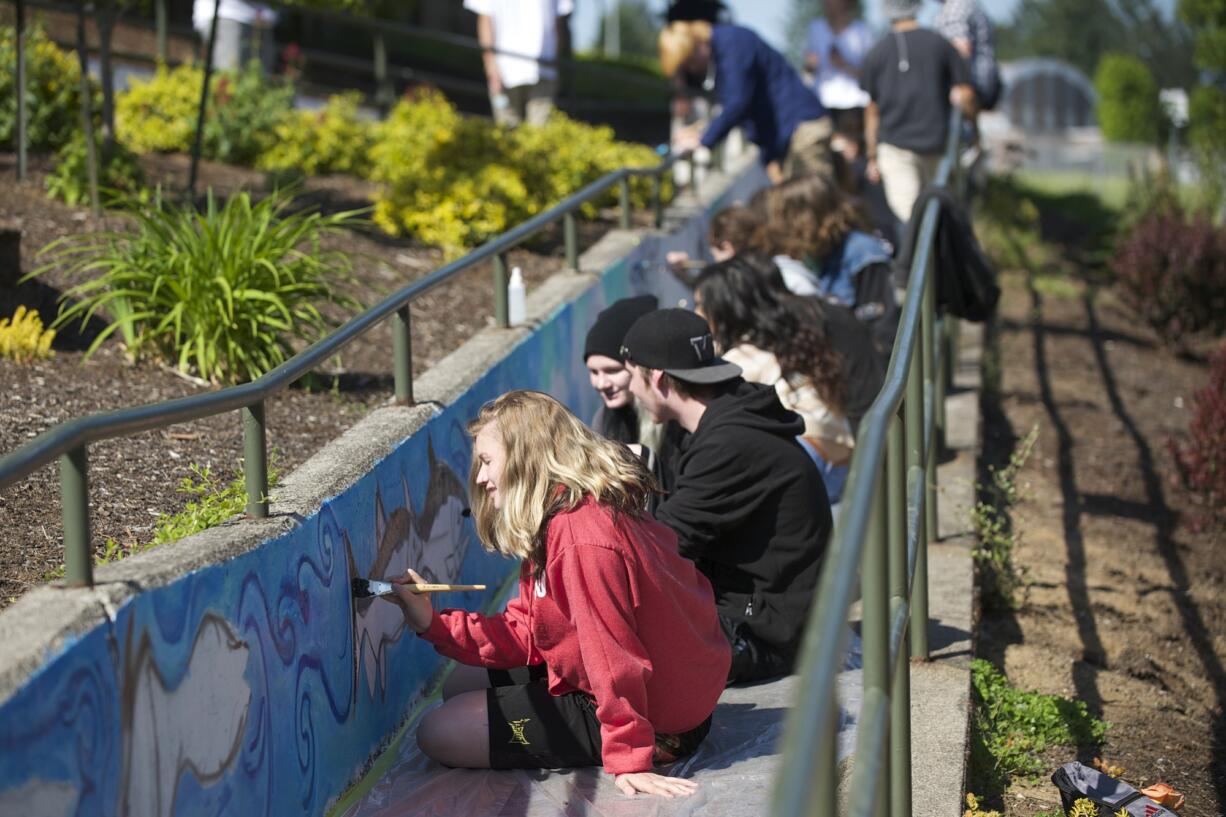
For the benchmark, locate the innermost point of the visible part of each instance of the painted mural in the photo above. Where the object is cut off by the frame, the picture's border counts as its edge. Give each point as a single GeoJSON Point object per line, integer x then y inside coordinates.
{"type": "Point", "coordinates": [258, 686]}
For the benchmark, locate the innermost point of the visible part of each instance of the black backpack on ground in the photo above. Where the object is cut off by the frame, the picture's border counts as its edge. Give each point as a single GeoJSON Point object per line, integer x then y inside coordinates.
{"type": "Point", "coordinates": [1077, 781]}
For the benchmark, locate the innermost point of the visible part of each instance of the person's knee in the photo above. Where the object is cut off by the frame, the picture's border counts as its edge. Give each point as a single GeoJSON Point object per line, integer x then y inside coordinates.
{"type": "Point", "coordinates": [457, 733]}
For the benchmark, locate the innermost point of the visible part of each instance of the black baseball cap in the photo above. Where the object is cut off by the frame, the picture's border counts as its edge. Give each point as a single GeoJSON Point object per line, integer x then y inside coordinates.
{"type": "Point", "coordinates": [679, 342]}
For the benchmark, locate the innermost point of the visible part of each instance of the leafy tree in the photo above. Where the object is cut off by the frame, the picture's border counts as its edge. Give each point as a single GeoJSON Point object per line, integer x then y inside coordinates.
{"type": "Point", "coordinates": [801, 13]}
{"type": "Point", "coordinates": [1080, 32]}
{"type": "Point", "coordinates": [1208, 19]}
{"type": "Point", "coordinates": [1128, 107]}
{"type": "Point", "coordinates": [638, 27]}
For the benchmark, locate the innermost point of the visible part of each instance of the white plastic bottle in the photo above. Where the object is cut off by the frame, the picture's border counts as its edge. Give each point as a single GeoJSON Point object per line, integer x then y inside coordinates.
{"type": "Point", "coordinates": [516, 304]}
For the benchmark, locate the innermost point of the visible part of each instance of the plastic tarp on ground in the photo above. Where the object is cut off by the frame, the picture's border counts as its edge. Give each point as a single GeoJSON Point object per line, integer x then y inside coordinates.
{"type": "Point", "coordinates": [735, 768]}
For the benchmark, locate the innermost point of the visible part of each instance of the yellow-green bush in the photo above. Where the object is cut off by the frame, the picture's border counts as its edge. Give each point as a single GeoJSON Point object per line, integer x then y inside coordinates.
{"type": "Point", "coordinates": [331, 140]}
{"type": "Point", "coordinates": [159, 115]}
{"type": "Point", "coordinates": [455, 182]}
{"type": "Point", "coordinates": [53, 91]}
{"type": "Point", "coordinates": [23, 338]}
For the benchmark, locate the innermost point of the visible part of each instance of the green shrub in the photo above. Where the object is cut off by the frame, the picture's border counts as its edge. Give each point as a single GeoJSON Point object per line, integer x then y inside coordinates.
{"type": "Point", "coordinates": [225, 294]}
{"type": "Point", "coordinates": [118, 173]}
{"type": "Point", "coordinates": [454, 181]}
{"type": "Point", "coordinates": [332, 140]}
{"type": "Point", "coordinates": [1128, 107]}
{"type": "Point", "coordinates": [53, 91]}
{"type": "Point", "coordinates": [245, 108]}
{"type": "Point", "coordinates": [1207, 137]}
{"type": "Point", "coordinates": [1013, 727]}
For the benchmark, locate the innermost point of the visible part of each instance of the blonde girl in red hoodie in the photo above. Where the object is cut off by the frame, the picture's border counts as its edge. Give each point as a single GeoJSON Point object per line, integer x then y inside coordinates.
{"type": "Point", "coordinates": [612, 653]}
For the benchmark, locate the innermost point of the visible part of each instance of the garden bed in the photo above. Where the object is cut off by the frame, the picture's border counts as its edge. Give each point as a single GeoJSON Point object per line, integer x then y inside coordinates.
{"type": "Point", "coordinates": [1123, 605]}
{"type": "Point", "coordinates": [132, 480]}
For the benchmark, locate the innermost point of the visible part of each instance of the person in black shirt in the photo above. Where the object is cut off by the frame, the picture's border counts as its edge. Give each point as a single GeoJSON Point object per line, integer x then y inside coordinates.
{"type": "Point", "coordinates": [911, 75]}
{"type": "Point", "coordinates": [749, 507]}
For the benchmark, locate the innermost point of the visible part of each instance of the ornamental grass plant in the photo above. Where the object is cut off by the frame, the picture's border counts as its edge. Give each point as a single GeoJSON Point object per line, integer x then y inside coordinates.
{"type": "Point", "coordinates": [225, 293]}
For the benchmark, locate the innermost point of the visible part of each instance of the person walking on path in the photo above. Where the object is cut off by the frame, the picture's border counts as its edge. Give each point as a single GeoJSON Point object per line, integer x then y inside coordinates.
{"type": "Point", "coordinates": [515, 36]}
{"type": "Point", "coordinates": [612, 653]}
{"type": "Point", "coordinates": [757, 90]}
{"type": "Point", "coordinates": [749, 506]}
{"type": "Point", "coordinates": [835, 49]}
{"type": "Point", "coordinates": [911, 75]}
{"type": "Point", "coordinates": [969, 30]}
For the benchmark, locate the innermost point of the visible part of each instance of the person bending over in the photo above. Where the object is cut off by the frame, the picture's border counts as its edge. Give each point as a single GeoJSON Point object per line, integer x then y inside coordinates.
{"type": "Point", "coordinates": [612, 653]}
{"type": "Point", "coordinates": [778, 339]}
{"type": "Point", "coordinates": [749, 506]}
{"type": "Point", "coordinates": [758, 90]}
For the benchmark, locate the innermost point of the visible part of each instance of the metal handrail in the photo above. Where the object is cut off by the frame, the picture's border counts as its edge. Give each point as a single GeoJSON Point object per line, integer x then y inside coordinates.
{"type": "Point", "coordinates": [70, 439]}
{"type": "Point", "coordinates": [887, 519]}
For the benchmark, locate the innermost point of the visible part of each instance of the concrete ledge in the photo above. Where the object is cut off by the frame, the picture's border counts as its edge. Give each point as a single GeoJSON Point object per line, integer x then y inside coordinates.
{"type": "Point", "coordinates": [940, 687]}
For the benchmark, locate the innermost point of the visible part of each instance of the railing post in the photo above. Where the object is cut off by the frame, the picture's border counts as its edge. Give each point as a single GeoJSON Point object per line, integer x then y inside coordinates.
{"type": "Point", "coordinates": [913, 421]}
{"type": "Point", "coordinates": [402, 346]}
{"type": "Point", "coordinates": [501, 314]}
{"type": "Point", "coordinates": [74, 506]}
{"type": "Point", "coordinates": [900, 692]}
{"type": "Point", "coordinates": [928, 333]}
{"type": "Point", "coordinates": [875, 618]}
{"type": "Point", "coordinates": [570, 236]}
{"type": "Point", "coordinates": [623, 199]}
{"type": "Point", "coordinates": [255, 461]}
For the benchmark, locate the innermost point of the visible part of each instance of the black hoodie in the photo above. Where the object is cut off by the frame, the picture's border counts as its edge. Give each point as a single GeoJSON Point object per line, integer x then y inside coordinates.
{"type": "Point", "coordinates": [750, 508]}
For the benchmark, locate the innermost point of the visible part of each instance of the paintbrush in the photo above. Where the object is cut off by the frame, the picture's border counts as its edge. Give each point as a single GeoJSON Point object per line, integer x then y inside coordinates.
{"type": "Point", "coordinates": [369, 588]}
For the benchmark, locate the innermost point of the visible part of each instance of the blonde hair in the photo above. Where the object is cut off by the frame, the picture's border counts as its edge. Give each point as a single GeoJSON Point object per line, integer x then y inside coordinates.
{"type": "Point", "coordinates": [677, 43]}
{"type": "Point", "coordinates": [552, 462]}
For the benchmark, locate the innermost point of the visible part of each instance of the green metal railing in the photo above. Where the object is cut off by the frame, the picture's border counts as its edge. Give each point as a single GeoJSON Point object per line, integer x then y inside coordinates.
{"type": "Point", "coordinates": [888, 518]}
{"type": "Point", "coordinates": [69, 441]}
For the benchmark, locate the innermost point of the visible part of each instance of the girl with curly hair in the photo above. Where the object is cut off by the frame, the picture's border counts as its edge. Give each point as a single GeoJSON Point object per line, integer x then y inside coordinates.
{"type": "Point", "coordinates": [779, 339]}
{"type": "Point", "coordinates": [612, 653]}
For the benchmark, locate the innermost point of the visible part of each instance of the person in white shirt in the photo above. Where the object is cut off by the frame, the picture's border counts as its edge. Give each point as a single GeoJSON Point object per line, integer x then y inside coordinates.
{"type": "Point", "coordinates": [515, 36]}
{"type": "Point", "coordinates": [835, 49]}
{"type": "Point", "coordinates": [244, 32]}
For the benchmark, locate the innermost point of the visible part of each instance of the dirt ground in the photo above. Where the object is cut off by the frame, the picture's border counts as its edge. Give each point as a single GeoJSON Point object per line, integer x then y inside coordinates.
{"type": "Point", "coordinates": [132, 481]}
{"type": "Point", "coordinates": [1125, 607]}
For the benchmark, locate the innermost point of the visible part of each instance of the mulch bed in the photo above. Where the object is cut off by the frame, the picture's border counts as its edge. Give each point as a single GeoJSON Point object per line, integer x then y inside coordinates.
{"type": "Point", "coordinates": [1125, 606]}
{"type": "Point", "coordinates": [132, 480]}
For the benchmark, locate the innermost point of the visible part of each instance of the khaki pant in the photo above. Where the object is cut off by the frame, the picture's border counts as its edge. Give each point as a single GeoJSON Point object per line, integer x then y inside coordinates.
{"type": "Point", "coordinates": [809, 150]}
{"type": "Point", "coordinates": [903, 175]}
{"type": "Point", "coordinates": [526, 103]}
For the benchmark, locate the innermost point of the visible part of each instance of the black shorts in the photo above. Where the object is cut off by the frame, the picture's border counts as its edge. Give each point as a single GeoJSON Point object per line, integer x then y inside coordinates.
{"type": "Point", "coordinates": [532, 729]}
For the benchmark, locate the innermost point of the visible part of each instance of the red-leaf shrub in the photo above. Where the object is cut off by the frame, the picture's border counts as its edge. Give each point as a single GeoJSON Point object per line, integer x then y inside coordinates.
{"type": "Point", "coordinates": [1202, 460]}
{"type": "Point", "coordinates": [1172, 271]}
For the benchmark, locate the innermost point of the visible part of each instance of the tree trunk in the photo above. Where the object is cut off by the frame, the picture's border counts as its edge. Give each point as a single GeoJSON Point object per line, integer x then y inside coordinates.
{"type": "Point", "coordinates": [204, 101]}
{"type": "Point", "coordinates": [87, 112]}
{"type": "Point", "coordinates": [22, 137]}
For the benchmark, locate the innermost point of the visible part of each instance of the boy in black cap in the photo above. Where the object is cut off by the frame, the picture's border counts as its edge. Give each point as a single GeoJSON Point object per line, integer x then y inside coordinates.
{"type": "Point", "coordinates": [748, 505]}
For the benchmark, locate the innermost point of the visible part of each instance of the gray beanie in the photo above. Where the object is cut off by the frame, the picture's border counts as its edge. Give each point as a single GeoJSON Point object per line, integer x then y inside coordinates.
{"type": "Point", "coordinates": [901, 9]}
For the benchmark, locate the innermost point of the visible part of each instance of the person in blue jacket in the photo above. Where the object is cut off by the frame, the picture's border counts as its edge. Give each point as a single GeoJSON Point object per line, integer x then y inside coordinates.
{"type": "Point", "coordinates": [758, 90]}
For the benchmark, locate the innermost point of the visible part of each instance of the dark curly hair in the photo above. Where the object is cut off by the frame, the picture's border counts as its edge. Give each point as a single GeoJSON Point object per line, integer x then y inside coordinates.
{"type": "Point", "coordinates": [807, 218]}
{"type": "Point", "coordinates": [745, 300]}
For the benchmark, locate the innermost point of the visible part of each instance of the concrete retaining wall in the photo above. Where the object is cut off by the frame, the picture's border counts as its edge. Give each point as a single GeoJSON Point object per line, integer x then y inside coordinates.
{"type": "Point", "coordinates": [231, 672]}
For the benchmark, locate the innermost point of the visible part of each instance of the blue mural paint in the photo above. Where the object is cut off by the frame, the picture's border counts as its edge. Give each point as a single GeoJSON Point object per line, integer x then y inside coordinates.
{"type": "Point", "coordinates": [258, 686]}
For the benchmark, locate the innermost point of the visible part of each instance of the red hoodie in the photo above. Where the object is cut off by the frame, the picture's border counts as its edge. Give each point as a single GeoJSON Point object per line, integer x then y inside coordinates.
{"type": "Point", "coordinates": [618, 614]}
